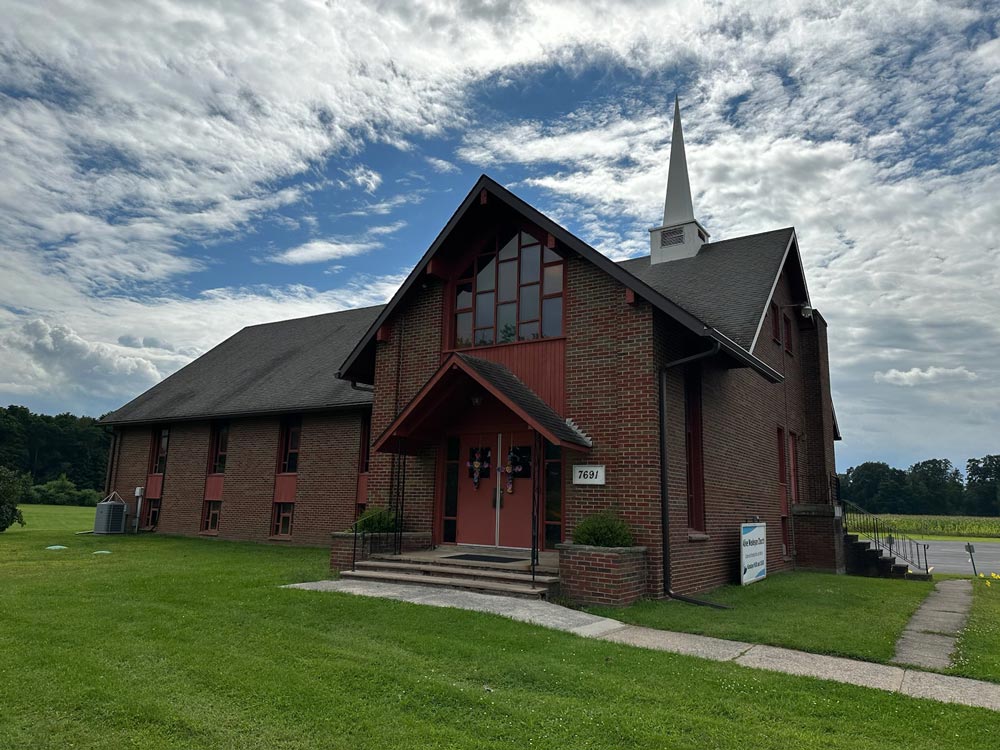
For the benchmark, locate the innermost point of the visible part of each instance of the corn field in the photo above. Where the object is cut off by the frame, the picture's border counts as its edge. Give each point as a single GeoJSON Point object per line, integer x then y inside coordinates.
{"type": "Point", "coordinates": [945, 525]}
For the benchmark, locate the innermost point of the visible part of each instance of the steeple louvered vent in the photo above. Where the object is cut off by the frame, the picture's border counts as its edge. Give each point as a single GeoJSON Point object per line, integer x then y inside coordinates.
{"type": "Point", "coordinates": [673, 236]}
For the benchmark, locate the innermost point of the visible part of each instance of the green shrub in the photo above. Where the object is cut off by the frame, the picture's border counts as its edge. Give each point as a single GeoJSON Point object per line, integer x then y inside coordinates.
{"type": "Point", "coordinates": [14, 486]}
{"type": "Point", "coordinates": [603, 530]}
{"type": "Point", "coordinates": [376, 520]}
{"type": "Point", "coordinates": [62, 491]}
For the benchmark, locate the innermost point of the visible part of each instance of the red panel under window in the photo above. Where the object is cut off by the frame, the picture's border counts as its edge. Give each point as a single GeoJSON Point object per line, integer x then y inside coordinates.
{"type": "Point", "coordinates": [154, 485]}
{"type": "Point", "coordinates": [284, 488]}
{"type": "Point", "coordinates": [213, 486]}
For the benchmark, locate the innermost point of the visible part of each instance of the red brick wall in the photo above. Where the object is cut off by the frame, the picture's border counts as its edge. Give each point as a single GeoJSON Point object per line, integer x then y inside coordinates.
{"type": "Point", "coordinates": [325, 490]}
{"type": "Point", "coordinates": [407, 359]}
{"type": "Point", "coordinates": [130, 462]}
{"type": "Point", "coordinates": [611, 393]}
{"type": "Point", "coordinates": [613, 576]}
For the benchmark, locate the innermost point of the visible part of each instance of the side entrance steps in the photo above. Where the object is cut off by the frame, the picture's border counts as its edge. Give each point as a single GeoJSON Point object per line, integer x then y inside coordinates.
{"type": "Point", "coordinates": [865, 559]}
{"type": "Point", "coordinates": [466, 575]}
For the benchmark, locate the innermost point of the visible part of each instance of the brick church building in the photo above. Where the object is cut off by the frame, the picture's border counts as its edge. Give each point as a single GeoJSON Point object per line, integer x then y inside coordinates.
{"type": "Point", "coordinates": [518, 382]}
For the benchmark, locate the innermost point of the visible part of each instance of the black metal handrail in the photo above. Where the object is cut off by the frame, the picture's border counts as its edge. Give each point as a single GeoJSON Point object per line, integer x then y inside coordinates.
{"type": "Point", "coordinates": [884, 536]}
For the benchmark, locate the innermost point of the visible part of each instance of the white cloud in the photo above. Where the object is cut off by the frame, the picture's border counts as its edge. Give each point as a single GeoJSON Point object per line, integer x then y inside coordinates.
{"type": "Point", "coordinates": [317, 251]}
{"type": "Point", "coordinates": [442, 166]}
{"type": "Point", "coordinates": [931, 375]}
{"type": "Point", "coordinates": [365, 178]}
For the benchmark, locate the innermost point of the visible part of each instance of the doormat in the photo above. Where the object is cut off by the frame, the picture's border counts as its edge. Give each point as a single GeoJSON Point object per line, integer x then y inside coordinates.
{"type": "Point", "coordinates": [485, 558]}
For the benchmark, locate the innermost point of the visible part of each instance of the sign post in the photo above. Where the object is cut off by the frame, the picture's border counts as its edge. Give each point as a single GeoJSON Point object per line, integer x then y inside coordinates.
{"type": "Point", "coordinates": [972, 557]}
{"type": "Point", "coordinates": [753, 552]}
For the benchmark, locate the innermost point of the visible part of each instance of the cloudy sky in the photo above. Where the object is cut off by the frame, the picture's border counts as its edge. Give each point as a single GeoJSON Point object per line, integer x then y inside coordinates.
{"type": "Point", "coordinates": [173, 171]}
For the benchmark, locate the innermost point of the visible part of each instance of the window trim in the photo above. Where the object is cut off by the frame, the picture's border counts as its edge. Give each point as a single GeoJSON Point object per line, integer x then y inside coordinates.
{"type": "Point", "coordinates": [277, 514]}
{"type": "Point", "coordinates": [793, 467]}
{"type": "Point", "coordinates": [775, 323]}
{"type": "Point", "coordinates": [289, 426]}
{"type": "Point", "coordinates": [159, 449]}
{"type": "Point", "coordinates": [206, 515]}
{"type": "Point", "coordinates": [219, 429]}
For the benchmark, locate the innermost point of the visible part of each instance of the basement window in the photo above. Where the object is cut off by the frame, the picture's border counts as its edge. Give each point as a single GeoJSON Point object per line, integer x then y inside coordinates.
{"type": "Point", "coordinates": [281, 521]}
{"type": "Point", "coordinates": [210, 515]}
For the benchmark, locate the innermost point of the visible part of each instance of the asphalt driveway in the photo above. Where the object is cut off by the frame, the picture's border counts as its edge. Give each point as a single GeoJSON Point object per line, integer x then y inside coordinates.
{"type": "Point", "coordinates": [951, 557]}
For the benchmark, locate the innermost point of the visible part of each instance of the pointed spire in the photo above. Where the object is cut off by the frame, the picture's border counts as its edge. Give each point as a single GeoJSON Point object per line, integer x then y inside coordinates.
{"type": "Point", "coordinates": [678, 207]}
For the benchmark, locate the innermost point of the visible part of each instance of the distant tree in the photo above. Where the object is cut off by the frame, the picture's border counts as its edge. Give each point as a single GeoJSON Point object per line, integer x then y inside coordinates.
{"type": "Point", "coordinates": [876, 487]}
{"type": "Point", "coordinates": [936, 487]}
{"type": "Point", "coordinates": [982, 487]}
{"type": "Point", "coordinates": [62, 491]}
{"type": "Point", "coordinates": [13, 488]}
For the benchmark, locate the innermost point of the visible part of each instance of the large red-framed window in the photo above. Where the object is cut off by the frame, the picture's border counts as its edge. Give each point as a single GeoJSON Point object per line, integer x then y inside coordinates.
{"type": "Point", "coordinates": [289, 445]}
{"type": "Point", "coordinates": [158, 452]}
{"type": "Point", "coordinates": [694, 449]}
{"type": "Point", "coordinates": [783, 492]}
{"type": "Point", "coordinates": [775, 323]}
{"type": "Point", "coordinates": [281, 519]}
{"type": "Point", "coordinates": [789, 347]}
{"type": "Point", "coordinates": [793, 466]}
{"type": "Point", "coordinates": [210, 515]}
{"type": "Point", "coordinates": [512, 292]}
{"type": "Point", "coordinates": [218, 448]}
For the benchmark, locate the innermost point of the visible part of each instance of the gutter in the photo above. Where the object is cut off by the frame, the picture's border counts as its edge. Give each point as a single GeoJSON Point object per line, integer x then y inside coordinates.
{"type": "Point", "coordinates": [664, 476]}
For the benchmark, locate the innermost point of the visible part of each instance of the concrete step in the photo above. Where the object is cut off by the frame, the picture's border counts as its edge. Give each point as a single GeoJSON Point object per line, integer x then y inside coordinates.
{"type": "Point", "coordinates": [474, 564]}
{"type": "Point", "coordinates": [470, 584]}
{"type": "Point", "coordinates": [458, 571]}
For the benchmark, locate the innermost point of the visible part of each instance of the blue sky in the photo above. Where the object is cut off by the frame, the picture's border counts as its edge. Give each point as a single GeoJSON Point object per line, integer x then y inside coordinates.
{"type": "Point", "coordinates": [171, 172]}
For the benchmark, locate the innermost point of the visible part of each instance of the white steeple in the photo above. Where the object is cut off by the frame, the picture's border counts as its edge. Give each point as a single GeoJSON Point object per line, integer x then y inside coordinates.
{"type": "Point", "coordinates": [681, 236]}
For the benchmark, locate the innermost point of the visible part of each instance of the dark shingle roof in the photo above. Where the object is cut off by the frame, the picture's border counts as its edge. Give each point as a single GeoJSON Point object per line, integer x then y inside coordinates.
{"type": "Point", "coordinates": [726, 285]}
{"type": "Point", "coordinates": [511, 387]}
{"type": "Point", "coordinates": [286, 366]}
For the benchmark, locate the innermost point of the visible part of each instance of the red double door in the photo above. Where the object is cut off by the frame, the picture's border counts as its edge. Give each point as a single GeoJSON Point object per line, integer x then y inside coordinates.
{"type": "Point", "coordinates": [495, 510]}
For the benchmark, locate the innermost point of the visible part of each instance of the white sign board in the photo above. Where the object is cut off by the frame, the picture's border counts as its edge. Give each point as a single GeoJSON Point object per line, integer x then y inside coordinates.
{"type": "Point", "coordinates": [753, 552]}
{"type": "Point", "coordinates": [588, 475]}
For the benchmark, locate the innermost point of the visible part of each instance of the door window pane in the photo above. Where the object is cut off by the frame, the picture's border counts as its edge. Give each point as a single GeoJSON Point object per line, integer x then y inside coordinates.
{"type": "Point", "coordinates": [529, 302]}
{"type": "Point", "coordinates": [508, 281]}
{"type": "Point", "coordinates": [506, 323]}
{"type": "Point", "coordinates": [530, 263]}
{"type": "Point", "coordinates": [451, 490]}
{"type": "Point", "coordinates": [552, 316]}
{"type": "Point", "coordinates": [553, 279]}
{"type": "Point", "coordinates": [463, 329]}
{"type": "Point", "coordinates": [452, 449]}
{"type": "Point", "coordinates": [553, 535]}
{"type": "Point", "coordinates": [553, 491]}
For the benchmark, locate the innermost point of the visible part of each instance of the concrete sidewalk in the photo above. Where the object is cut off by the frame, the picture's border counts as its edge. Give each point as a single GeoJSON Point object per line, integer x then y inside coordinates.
{"type": "Point", "coordinates": [895, 679]}
{"type": "Point", "coordinates": [930, 636]}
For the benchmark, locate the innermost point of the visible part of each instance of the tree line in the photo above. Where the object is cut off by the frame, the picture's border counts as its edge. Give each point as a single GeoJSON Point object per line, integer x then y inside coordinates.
{"type": "Point", "coordinates": [932, 487]}
{"type": "Point", "coordinates": [62, 456]}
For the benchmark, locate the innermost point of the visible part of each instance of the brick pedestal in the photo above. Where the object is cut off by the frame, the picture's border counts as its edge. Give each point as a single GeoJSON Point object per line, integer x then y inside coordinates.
{"type": "Point", "coordinates": [819, 537]}
{"type": "Point", "coordinates": [614, 576]}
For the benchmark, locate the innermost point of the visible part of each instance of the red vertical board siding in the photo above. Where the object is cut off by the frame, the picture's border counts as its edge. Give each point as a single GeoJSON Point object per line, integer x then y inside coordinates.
{"type": "Point", "coordinates": [540, 365]}
{"type": "Point", "coordinates": [213, 486]}
{"type": "Point", "coordinates": [284, 488]}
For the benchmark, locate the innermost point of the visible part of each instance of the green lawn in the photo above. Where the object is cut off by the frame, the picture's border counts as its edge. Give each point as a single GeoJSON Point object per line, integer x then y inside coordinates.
{"type": "Point", "coordinates": [978, 652]}
{"type": "Point", "coordinates": [55, 517]}
{"type": "Point", "coordinates": [844, 615]}
{"type": "Point", "coordinates": [189, 643]}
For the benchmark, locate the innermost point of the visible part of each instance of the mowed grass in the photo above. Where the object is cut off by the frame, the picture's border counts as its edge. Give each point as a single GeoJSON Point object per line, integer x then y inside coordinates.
{"type": "Point", "coordinates": [946, 527]}
{"type": "Point", "coordinates": [189, 643]}
{"type": "Point", "coordinates": [978, 651]}
{"type": "Point", "coordinates": [54, 518]}
{"type": "Point", "coordinates": [849, 616]}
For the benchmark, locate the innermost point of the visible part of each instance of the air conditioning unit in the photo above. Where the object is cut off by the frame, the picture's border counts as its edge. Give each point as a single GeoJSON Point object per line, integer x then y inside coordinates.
{"type": "Point", "coordinates": [110, 516]}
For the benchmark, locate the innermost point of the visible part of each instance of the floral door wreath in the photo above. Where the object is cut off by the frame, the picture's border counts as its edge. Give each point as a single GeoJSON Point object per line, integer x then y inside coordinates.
{"type": "Point", "coordinates": [512, 467]}
{"type": "Point", "coordinates": [478, 465]}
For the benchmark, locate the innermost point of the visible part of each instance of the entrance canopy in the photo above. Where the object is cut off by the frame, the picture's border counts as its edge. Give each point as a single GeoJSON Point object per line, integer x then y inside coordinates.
{"type": "Point", "coordinates": [460, 386]}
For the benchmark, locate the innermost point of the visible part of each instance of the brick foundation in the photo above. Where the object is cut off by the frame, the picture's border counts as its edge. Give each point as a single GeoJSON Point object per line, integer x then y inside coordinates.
{"type": "Point", "coordinates": [613, 576]}
{"type": "Point", "coordinates": [819, 535]}
{"type": "Point", "coordinates": [342, 548]}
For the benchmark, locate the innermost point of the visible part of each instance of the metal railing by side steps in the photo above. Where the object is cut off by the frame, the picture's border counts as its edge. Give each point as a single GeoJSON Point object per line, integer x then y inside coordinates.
{"type": "Point", "coordinates": [880, 532]}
